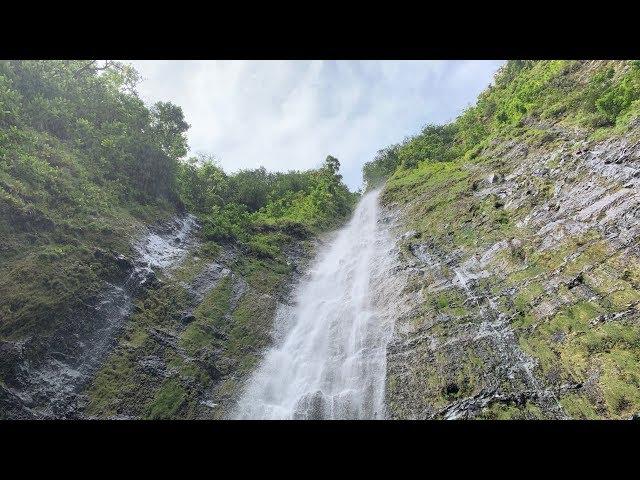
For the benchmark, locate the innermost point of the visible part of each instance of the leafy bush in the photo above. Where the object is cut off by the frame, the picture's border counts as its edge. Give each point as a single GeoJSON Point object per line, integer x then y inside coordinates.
{"type": "Point", "coordinates": [619, 96]}
{"type": "Point", "coordinates": [226, 223]}
{"type": "Point", "coordinates": [434, 144]}
{"type": "Point", "coordinates": [381, 167]}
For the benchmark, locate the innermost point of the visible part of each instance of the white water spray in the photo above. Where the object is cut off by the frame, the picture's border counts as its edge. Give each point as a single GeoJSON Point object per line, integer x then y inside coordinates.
{"type": "Point", "coordinates": [330, 361]}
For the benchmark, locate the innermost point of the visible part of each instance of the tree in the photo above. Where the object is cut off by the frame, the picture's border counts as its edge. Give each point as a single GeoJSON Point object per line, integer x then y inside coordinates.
{"type": "Point", "coordinates": [169, 126]}
{"type": "Point", "coordinates": [381, 167]}
{"type": "Point", "coordinates": [332, 164]}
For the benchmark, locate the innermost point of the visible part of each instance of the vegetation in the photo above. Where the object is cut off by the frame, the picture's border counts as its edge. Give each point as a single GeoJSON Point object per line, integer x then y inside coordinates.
{"type": "Point", "coordinates": [476, 183]}
{"type": "Point", "coordinates": [83, 161]}
{"type": "Point", "coordinates": [523, 90]}
{"type": "Point", "coordinates": [253, 207]}
{"type": "Point", "coordinates": [84, 164]}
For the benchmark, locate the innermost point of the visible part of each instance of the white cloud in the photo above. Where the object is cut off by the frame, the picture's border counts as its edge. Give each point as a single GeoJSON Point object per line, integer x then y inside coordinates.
{"type": "Point", "coordinates": [292, 114]}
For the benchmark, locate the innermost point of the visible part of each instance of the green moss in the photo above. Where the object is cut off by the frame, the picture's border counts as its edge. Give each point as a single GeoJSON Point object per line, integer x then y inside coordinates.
{"type": "Point", "coordinates": [620, 382]}
{"type": "Point", "coordinates": [449, 301]}
{"type": "Point", "coordinates": [264, 275]}
{"type": "Point", "coordinates": [442, 208]}
{"type": "Point", "coordinates": [509, 411]}
{"type": "Point", "coordinates": [162, 307]}
{"type": "Point", "coordinates": [118, 382]}
{"type": "Point", "coordinates": [579, 407]}
{"type": "Point", "coordinates": [392, 383]}
{"type": "Point", "coordinates": [112, 382]}
{"type": "Point", "coordinates": [526, 273]}
{"type": "Point", "coordinates": [594, 254]}
{"type": "Point", "coordinates": [624, 298]}
{"type": "Point", "coordinates": [136, 338]}
{"type": "Point", "coordinates": [575, 318]}
{"type": "Point", "coordinates": [209, 314]}
{"type": "Point", "coordinates": [527, 294]}
{"type": "Point", "coordinates": [468, 372]}
{"type": "Point", "coordinates": [167, 400]}
{"type": "Point", "coordinates": [249, 332]}
{"type": "Point", "coordinates": [541, 350]}
{"type": "Point", "coordinates": [190, 268]}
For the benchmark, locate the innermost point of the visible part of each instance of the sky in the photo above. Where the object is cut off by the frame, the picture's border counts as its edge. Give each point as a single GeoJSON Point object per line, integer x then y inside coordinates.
{"type": "Point", "coordinates": [289, 115]}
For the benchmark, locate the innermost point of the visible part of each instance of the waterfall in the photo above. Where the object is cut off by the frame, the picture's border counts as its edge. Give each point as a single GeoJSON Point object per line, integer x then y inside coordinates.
{"type": "Point", "coordinates": [329, 360]}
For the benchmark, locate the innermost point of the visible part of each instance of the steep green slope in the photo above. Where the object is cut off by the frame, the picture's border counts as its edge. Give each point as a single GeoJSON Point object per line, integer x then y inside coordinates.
{"type": "Point", "coordinates": [82, 163]}
{"type": "Point", "coordinates": [520, 227]}
{"type": "Point", "coordinates": [86, 170]}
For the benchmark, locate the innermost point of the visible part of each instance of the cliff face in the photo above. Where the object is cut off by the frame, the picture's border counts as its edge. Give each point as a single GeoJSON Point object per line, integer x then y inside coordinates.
{"type": "Point", "coordinates": [172, 335]}
{"type": "Point", "coordinates": [524, 275]}
{"type": "Point", "coordinates": [518, 274]}
{"type": "Point", "coordinates": [112, 304]}
{"type": "Point", "coordinates": [192, 339]}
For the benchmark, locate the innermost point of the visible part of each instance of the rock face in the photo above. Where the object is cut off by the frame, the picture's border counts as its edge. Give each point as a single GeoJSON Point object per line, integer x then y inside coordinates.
{"type": "Point", "coordinates": [194, 336]}
{"type": "Point", "coordinates": [523, 284]}
{"type": "Point", "coordinates": [172, 334]}
{"type": "Point", "coordinates": [45, 377]}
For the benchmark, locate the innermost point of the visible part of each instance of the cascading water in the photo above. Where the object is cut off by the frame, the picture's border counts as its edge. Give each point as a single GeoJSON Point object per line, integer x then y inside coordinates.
{"type": "Point", "coordinates": [330, 359]}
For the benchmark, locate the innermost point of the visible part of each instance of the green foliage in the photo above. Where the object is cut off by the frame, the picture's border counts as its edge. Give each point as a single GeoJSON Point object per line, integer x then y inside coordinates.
{"type": "Point", "coordinates": [202, 183]}
{"type": "Point", "coordinates": [83, 160]}
{"type": "Point", "coordinates": [226, 223]}
{"type": "Point", "coordinates": [128, 148]}
{"type": "Point", "coordinates": [381, 167]}
{"type": "Point", "coordinates": [169, 398]}
{"type": "Point", "coordinates": [524, 92]}
{"type": "Point", "coordinates": [610, 97]}
{"type": "Point", "coordinates": [586, 336]}
{"type": "Point", "coordinates": [251, 206]}
{"type": "Point", "coordinates": [433, 144]}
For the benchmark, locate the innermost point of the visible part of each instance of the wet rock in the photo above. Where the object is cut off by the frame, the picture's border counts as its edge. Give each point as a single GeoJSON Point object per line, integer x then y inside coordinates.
{"type": "Point", "coordinates": [579, 280]}
{"type": "Point", "coordinates": [451, 389]}
{"type": "Point", "coordinates": [11, 353]}
{"type": "Point", "coordinates": [153, 365]}
{"type": "Point", "coordinates": [495, 178]}
{"type": "Point", "coordinates": [207, 280]}
{"type": "Point", "coordinates": [46, 378]}
{"type": "Point", "coordinates": [145, 277]}
{"type": "Point", "coordinates": [208, 363]}
{"type": "Point", "coordinates": [165, 338]}
{"type": "Point", "coordinates": [123, 262]}
{"type": "Point", "coordinates": [120, 261]}
{"type": "Point", "coordinates": [209, 403]}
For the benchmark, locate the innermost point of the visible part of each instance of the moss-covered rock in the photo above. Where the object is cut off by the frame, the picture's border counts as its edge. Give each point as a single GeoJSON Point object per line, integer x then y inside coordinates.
{"type": "Point", "coordinates": [523, 254]}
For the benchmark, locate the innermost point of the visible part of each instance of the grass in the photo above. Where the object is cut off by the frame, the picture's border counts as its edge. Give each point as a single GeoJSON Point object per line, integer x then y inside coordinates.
{"type": "Point", "coordinates": [167, 401]}
{"type": "Point", "coordinates": [579, 407]}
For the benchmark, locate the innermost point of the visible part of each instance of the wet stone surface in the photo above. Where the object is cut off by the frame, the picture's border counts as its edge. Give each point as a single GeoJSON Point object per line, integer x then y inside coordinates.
{"type": "Point", "coordinates": [51, 386]}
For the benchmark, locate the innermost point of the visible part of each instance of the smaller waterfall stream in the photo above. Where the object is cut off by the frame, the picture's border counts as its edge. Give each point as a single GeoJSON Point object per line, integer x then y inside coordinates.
{"type": "Point", "coordinates": [330, 361]}
{"type": "Point", "coordinates": [53, 388]}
